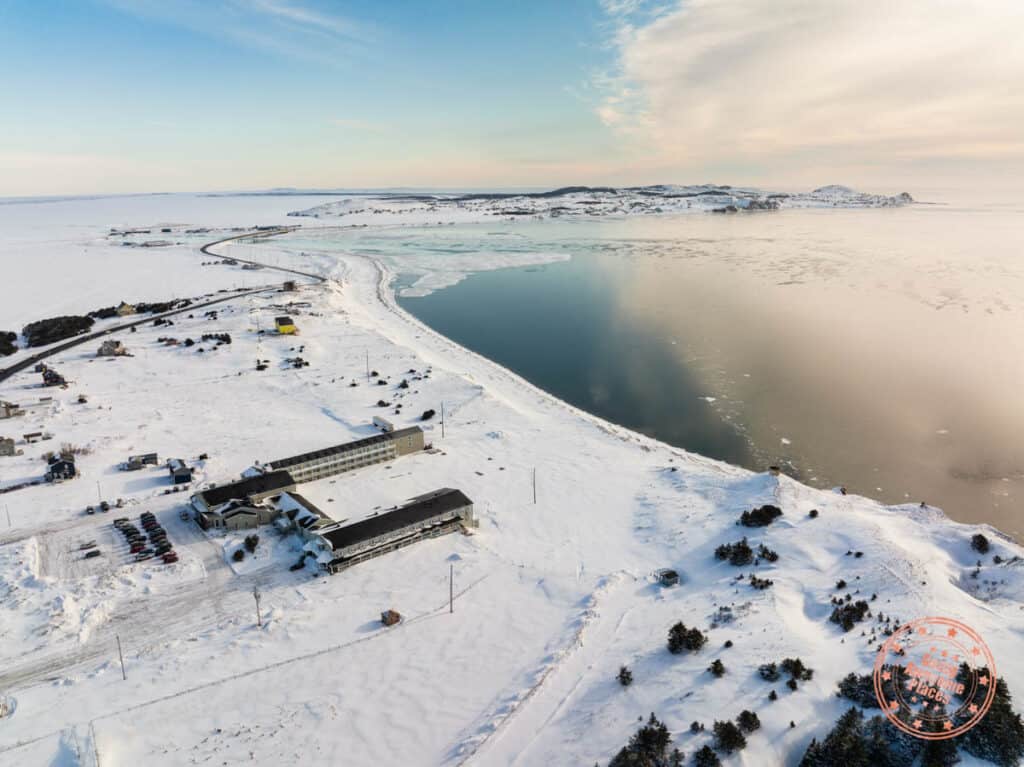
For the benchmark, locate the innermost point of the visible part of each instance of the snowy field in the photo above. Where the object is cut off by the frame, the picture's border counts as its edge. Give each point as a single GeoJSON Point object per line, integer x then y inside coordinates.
{"type": "Point", "coordinates": [551, 597]}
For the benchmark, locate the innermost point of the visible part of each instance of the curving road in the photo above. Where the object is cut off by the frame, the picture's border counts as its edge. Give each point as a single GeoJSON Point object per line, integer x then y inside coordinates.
{"type": "Point", "coordinates": [33, 359]}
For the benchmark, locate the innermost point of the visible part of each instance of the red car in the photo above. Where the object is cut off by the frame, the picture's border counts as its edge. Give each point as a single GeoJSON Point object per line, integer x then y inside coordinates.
{"type": "Point", "coordinates": [137, 547]}
{"type": "Point", "coordinates": [170, 557]}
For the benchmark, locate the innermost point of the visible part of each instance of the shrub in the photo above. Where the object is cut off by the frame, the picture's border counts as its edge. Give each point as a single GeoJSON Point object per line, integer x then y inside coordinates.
{"type": "Point", "coordinates": [696, 727]}
{"type": "Point", "coordinates": [738, 553]}
{"type": "Point", "coordinates": [427, 415]}
{"type": "Point", "coordinates": [769, 672]}
{"type": "Point", "coordinates": [8, 343]}
{"type": "Point", "coordinates": [840, 584]}
{"type": "Point", "coordinates": [239, 555]}
{"type": "Point", "coordinates": [792, 684]}
{"type": "Point", "coordinates": [760, 517]}
{"type": "Point", "coordinates": [681, 638]}
{"type": "Point", "coordinates": [761, 583]}
{"type": "Point", "coordinates": [625, 676]}
{"type": "Point", "coordinates": [728, 737]}
{"type": "Point", "coordinates": [813, 513]}
{"type": "Point", "coordinates": [728, 643]}
{"type": "Point", "coordinates": [705, 757]}
{"type": "Point", "coordinates": [647, 746]}
{"type": "Point", "coordinates": [849, 615]}
{"type": "Point", "coordinates": [251, 542]}
{"type": "Point", "coordinates": [773, 695]}
{"type": "Point", "coordinates": [859, 689]}
{"type": "Point", "coordinates": [767, 554]}
{"type": "Point", "coordinates": [979, 543]}
{"type": "Point", "coordinates": [717, 668]}
{"type": "Point", "coordinates": [48, 331]}
{"type": "Point", "coordinates": [748, 721]}
{"type": "Point", "coordinates": [796, 669]}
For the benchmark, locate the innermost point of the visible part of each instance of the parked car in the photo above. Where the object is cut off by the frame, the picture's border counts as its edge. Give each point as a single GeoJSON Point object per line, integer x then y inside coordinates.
{"type": "Point", "coordinates": [104, 506]}
{"type": "Point", "coordinates": [121, 520]}
{"type": "Point", "coordinates": [170, 557]}
{"type": "Point", "coordinates": [90, 510]}
{"type": "Point", "coordinates": [142, 556]}
{"type": "Point", "coordinates": [87, 545]}
{"type": "Point", "coordinates": [136, 548]}
{"type": "Point", "coordinates": [93, 553]}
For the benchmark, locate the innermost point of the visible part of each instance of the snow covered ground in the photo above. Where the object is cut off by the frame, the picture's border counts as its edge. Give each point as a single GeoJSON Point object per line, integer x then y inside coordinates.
{"type": "Point", "coordinates": [551, 597]}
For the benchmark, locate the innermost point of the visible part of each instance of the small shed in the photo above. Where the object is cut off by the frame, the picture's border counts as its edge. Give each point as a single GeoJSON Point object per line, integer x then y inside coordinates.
{"type": "Point", "coordinates": [668, 577]}
{"type": "Point", "coordinates": [285, 326]}
{"type": "Point", "coordinates": [34, 436]}
{"type": "Point", "coordinates": [10, 410]}
{"type": "Point", "coordinates": [180, 473]}
{"type": "Point", "coordinates": [7, 446]}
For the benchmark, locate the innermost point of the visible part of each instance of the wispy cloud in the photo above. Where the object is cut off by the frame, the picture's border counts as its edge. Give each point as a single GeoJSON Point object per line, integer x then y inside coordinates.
{"type": "Point", "coordinates": [788, 81]}
{"type": "Point", "coordinates": [283, 28]}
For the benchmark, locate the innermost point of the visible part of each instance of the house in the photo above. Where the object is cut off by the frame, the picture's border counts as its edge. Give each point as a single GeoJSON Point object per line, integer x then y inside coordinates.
{"type": "Point", "coordinates": [426, 516]}
{"type": "Point", "coordinates": [180, 473]}
{"type": "Point", "coordinates": [351, 455]}
{"type": "Point", "coordinates": [136, 462]}
{"type": "Point", "coordinates": [285, 326]}
{"type": "Point", "coordinates": [60, 467]}
{"type": "Point", "coordinates": [249, 492]}
{"type": "Point", "coordinates": [111, 348]}
{"type": "Point", "coordinates": [10, 410]}
{"type": "Point", "coordinates": [7, 446]}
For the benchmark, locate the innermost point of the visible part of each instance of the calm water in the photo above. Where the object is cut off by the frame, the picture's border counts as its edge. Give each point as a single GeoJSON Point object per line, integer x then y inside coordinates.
{"type": "Point", "coordinates": [878, 349]}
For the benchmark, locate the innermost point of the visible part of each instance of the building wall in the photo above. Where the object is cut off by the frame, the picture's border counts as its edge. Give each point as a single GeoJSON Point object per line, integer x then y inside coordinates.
{"type": "Point", "coordinates": [463, 513]}
{"type": "Point", "coordinates": [409, 444]}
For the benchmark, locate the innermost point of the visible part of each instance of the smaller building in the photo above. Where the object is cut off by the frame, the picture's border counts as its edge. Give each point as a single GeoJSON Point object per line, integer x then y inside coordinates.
{"type": "Point", "coordinates": [32, 437]}
{"type": "Point", "coordinates": [111, 348]}
{"type": "Point", "coordinates": [211, 504]}
{"type": "Point", "coordinates": [60, 467]}
{"type": "Point", "coordinates": [10, 410]}
{"type": "Point", "coordinates": [180, 473]}
{"type": "Point", "coordinates": [285, 326]}
{"type": "Point", "coordinates": [7, 446]}
{"type": "Point", "coordinates": [136, 462]}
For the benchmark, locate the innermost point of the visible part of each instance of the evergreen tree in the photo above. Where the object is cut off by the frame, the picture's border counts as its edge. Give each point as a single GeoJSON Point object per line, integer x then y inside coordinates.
{"type": "Point", "coordinates": [728, 737]}
{"type": "Point", "coordinates": [999, 735]}
{"type": "Point", "coordinates": [681, 638]}
{"type": "Point", "coordinates": [706, 758]}
{"type": "Point", "coordinates": [748, 721]}
{"type": "Point", "coordinates": [625, 676]}
{"type": "Point", "coordinates": [717, 667]}
{"type": "Point", "coordinates": [648, 747]}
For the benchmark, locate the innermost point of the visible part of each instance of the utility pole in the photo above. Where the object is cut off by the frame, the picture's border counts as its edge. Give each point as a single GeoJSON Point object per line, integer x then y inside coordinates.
{"type": "Point", "coordinates": [120, 655]}
{"type": "Point", "coordinates": [99, 493]}
{"type": "Point", "coordinates": [442, 420]}
{"type": "Point", "coordinates": [8, 510]}
{"type": "Point", "coordinates": [256, 596]}
{"type": "Point", "coordinates": [451, 589]}
{"type": "Point", "coordinates": [535, 486]}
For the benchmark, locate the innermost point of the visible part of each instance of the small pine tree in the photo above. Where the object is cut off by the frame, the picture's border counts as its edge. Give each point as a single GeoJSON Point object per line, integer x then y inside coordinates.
{"type": "Point", "coordinates": [748, 721]}
{"type": "Point", "coordinates": [768, 671]}
{"type": "Point", "coordinates": [728, 737]}
{"type": "Point", "coordinates": [773, 695]}
{"type": "Point", "coordinates": [625, 676]}
{"type": "Point", "coordinates": [648, 746]}
{"type": "Point", "coordinates": [706, 758]}
{"type": "Point", "coordinates": [717, 668]}
{"type": "Point", "coordinates": [681, 638]}
{"type": "Point", "coordinates": [792, 684]}
{"type": "Point", "coordinates": [813, 513]}
{"type": "Point", "coordinates": [979, 543]}
{"type": "Point", "coordinates": [696, 727]}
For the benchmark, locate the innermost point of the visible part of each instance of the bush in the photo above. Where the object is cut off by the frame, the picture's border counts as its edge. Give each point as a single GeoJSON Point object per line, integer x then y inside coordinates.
{"type": "Point", "coordinates": [763, 552]}
{"type": "Point", "coordinates": [769, 672]}
{"type": "Point", "coordinates": [8, 343]}
{"type": "Point", "coordinates": [773, 696]}
{"type": "Point", "coordinates": [849, 615]}
{"type": "Point", "coordinates": [48, 331]}
{"type": "Point", "coordinates": [796, 669]}
{"type": "Point", "coordinates": [748, 721]}
{"type": "Point", "coordinates": [625, 676]}
{"type": "Point", "coordinates": [427, 415]}
{"type": "Point", "coordinates": [738, 553]}
{"type": "Point", "coordinates": [791, 683]}
{"type": "Point", "coordinates": [239, 555]}
{"type": "Point", "coordinates": [761, 517]}
{"type": "Point", "coordinates": [761, 583]}
{"type": "Point", "coordinates": [813, 513]}
{"type": "Point", "coordinates": [728, 737]}
{"type": "Point", "coordinates": [979, 543]}
{"type": "Point", "coordinates": [859, 689]}
{"type": "Point", "coordinates": [696, 727]}
{"type": "Point", "coordinates": [706, 758]}
{"type": "Point", "coordinates": [840, 584]}
{"type": "Point", "coordinates": [647, 746]}
{"type": "Point", "coordinates": [251, 542]}
{"type": "Point", "coordinates": [681, 638]}
{"type": "Point", "coordinates": [717, 667]}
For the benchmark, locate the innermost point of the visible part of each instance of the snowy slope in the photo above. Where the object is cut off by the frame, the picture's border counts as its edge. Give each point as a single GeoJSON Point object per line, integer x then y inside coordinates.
{"type": "Point", "coordinates": [551, 597]}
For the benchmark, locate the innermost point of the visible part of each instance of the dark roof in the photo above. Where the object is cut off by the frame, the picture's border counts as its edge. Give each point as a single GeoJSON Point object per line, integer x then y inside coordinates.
{"type": "Point", "coordinates": [283, 320]}
{"type": "Point", "coordinates": [243, 488]}
{"type": "Point", "coordinates": [285, 463]}
{"type": "Point", "coordinates": [307, 504]}
{"type": "Point", "coordinates": [422, 508]}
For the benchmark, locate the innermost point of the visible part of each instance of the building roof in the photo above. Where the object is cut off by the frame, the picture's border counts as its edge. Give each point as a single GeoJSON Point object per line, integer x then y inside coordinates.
{"type": "Point", "coordinates": [285, 463]}
{"type": "Point", "coordinates": [283, 320]}
{"type": "Point", "coordinates": [243, 488]}
{"type": "Point", "coordinates": [421, 508]}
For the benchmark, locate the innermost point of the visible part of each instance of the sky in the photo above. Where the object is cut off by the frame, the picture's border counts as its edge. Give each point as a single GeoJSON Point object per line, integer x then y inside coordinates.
{"type": "Point", "coordinates": [122, 96]}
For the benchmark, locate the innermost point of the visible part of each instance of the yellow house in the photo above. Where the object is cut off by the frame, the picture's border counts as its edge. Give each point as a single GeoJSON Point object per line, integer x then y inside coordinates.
{"type": "Point", "coordinates": [285, 326]}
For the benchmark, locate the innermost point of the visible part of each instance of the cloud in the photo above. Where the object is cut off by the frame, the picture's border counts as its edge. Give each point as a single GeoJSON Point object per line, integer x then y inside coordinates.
{"type": "Point", "coordinates": [799, 82]}
{"type": "Point", "coordinates": [283, 28]}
